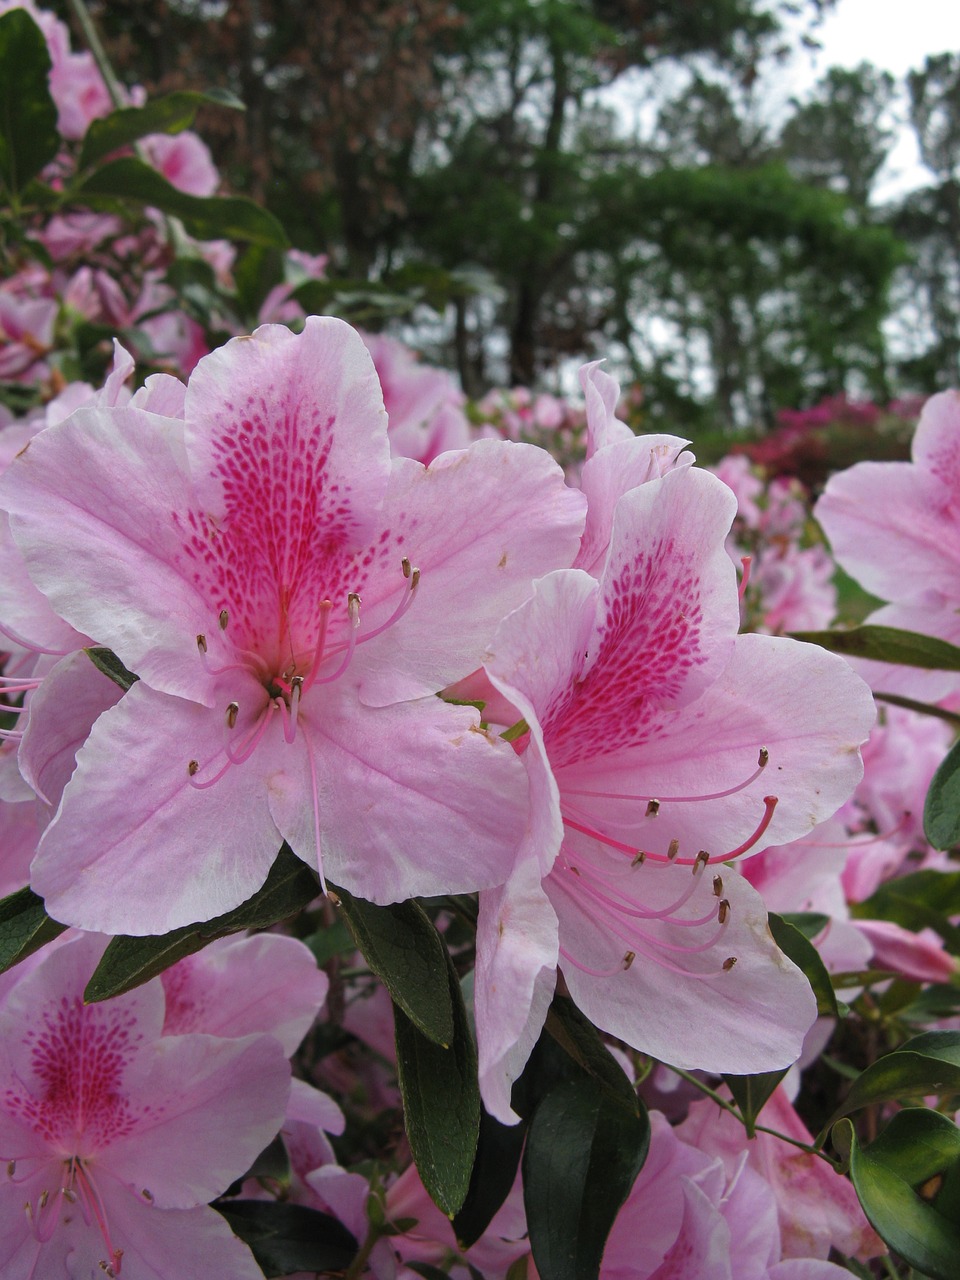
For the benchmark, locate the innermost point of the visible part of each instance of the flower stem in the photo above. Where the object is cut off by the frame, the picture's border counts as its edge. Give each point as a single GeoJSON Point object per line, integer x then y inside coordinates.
{"type": "Point", "coordinates": [114, 88]}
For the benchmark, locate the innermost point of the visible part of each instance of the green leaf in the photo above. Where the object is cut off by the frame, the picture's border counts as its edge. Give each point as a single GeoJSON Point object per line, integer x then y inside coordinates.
{"type": "Point", "coordinates": [582, 1156]}
{"type": "Point", "coordinates": [810, 923]}
{"type": "Point", "coordinates": [206, 217]}
{"type": "Point", "coordinates": [579, 1039]}
{"type": "Point", "coordinates": [329, 941]}
{"type": "Point", "coordinates": [806, 957]}
{"type": "Point", "coordinates": [941, 812]}
{"type": "Point", "coordinates": [106, 660]}
{"type": "Point", "coordinates": [129, 962]}
{"type": "Point", "coordinates": [927, 1064]}
{"type": "Point", "coordinates": [24, 927]}
{"type": "Point", "coordinates": [404, 950]}
{"type": "Point", "coordinates": [28, 117]}
{"type": "Point", "coordinates": [494, 1169]}
{"type": "Point", "coordinates": [925, 899]}
{"type": "Point", "coordinates": [908, 1182]}
{"type": "Point", "coordinates": [751, 1094]}
{"type": "Point", "coordinates": [887, 644]}
{"type": "Point", "coordinates": [441, 1102]}
{"type": "Point", "coordinates": [286, 1238]}
{"type": "Point", "coordinates": [170, 114]}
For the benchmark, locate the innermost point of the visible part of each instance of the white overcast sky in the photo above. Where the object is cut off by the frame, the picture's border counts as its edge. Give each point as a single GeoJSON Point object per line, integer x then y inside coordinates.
{"type": "Point", "coordinates": [894, 35]}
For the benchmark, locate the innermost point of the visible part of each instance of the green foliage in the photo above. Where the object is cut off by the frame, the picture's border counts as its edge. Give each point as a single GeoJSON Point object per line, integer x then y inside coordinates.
{"type": "Point", "coordinates": [170, 114]}
{"type": "Point", "coordinates": [405, 951]}
{"type": "Point", "coordinates": [887, 644]}
{"type": "Point", "coordinates": [805, 956]}
{"type": "Point", "coordinates": [441, 1102]}
{"type": "Point", "coordinates": [941, 812]}
{"type": "Point", "coordinates": [287, 1238]}
{"type": "Point", "coordinates": [206, 217]}
{"type": "Point", "coordinates": [24, 927]}
{"type": "Point", "coordinates": [908, 1181]}
{"type": "Point", "coordinates": [927, 1064]}
{"type": "Point", "coordinates": [752, 1093]}
{"type": "Point", "coordinates": [28, 117]}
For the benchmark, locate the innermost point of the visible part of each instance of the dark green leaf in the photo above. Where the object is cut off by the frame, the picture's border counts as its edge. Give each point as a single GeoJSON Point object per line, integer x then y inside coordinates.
{"type": "Point", "coordinates": [329, 941]}
{"type": "Point", "coordinates": [441, 1102]}
{"type": "Point", "coordinates": [580, 1040]}
{"type": "Point", "coordinates": [908, 1182]}
{"type": "Point", "coordinates": [128, 962]}
{"type": "Point", "coordinates": [404, 950]}
{"type": "Point", "coordinates": [925, 899]}
{"type": "Point", "coordinates": [106, 660]}
{"type": "Point", "coordinates": [28, 117]}
{"type": "Point", "coordinates": [169, 114]}
{"type": "Point", "coordinates": [24, 927]}
{"type": "Point", "coordinates": [286, 1238]}
{"type": "Point", "coordinates": [494, 1169]}
{"type": "Point", "coordinates": [258, 270]}
{"type": "Point", "coordinates": [810, 923]}
{"type": "Point", "coordinates": [206, 217]}
{"type": "Point", "coordinates": [806, 957]}
{"type": "Point", "coordinates": [751, 1094]}
{"type": "Point", "coordinates": [582, 1155]}
{"type": "Point", "coordinates": [941, 812]}
{"type": "Point", "coordinates": [887, 644]}
{"type": "Point", "coordinates": [927, 1064]}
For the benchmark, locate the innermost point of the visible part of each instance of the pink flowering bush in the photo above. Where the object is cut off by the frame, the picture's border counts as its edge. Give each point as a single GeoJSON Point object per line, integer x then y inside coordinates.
{"type": "Point", "coordinates": [426, 848]}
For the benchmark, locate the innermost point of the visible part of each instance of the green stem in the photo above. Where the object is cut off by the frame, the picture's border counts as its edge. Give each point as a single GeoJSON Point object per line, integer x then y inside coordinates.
{"type": "Point", "coordinates": [356, 1267]}
{"type": "Point", "coordinates": [924, 708]}
{"type": "Point", "coordinates": [760, 1128]}
{"type": "Point", "coordinates": [114, 88]}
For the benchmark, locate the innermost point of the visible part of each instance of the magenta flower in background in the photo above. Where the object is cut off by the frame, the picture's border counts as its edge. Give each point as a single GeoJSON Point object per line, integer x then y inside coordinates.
{"type": "Point", "coordinates": [114, 1137]}
{"type": "Point", "coordinates": [291, 601]}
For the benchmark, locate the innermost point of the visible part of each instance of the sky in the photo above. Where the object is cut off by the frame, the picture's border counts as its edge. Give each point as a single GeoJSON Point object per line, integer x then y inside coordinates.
{"type": "Point", "coordinates": [893, 35]}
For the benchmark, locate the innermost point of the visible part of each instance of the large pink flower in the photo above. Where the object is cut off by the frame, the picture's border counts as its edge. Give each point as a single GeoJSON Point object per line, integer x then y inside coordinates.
{"type": "Point", "coordinates": [647, 717]}
{"type": "Point", "coordinates": [292, 600]}
{"type": "Point", "coordinates": [115, 1137]}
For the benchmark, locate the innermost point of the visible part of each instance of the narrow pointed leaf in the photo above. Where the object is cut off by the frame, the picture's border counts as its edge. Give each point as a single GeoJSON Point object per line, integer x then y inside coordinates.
{"type": "Point", "coordinates": [494, 1169]}
{"type": "Point", "coordinates": [287, 1238]}
{"type": "Point", "coordinates": [751, 1094]}
{"type": "Point", "coordinates": [441, 1102]}
{"type": "Point", "coordinates": [28, 117]}
{"type": "Point", "coordinates": [908, 1182]}
{"type": "Point", "coordinates": [941, 812]}
{"type": "Point", "coordinates": [887, 644]}
{"type": "Point", "coordinates": [24, 927]}
{"type": "Point", "coordinates": [169, 114]}
{"type": "Point", "coordinates": [582, 1155]}
{"type": "Point", "coordinates": [106, 660]}
{"type": "Point", "coordinates": [404, 950]}
{"type": "Point", "coordinates": [806, 957]}
{"type": "Point", "coordinates": [927, 1064]}
{"type": "Point", "coordinates": [206, 217]}
{"type": "Point", "coordinates": [128, 962]}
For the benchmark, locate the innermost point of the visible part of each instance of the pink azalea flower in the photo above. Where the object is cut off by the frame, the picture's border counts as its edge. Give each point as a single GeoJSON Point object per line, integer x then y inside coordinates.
{"type": "Point", "coordinates": [115, 1137]}
{"type": "Point", "coordinates": [291, 601]}
{"type": "Point", "coordinates": [895, 527]}
{"type": "Point", "coordinates": [817, 1209]}
{"type": "Point", "coordinates": [647, 717]}
{"type": "Point", "coordinates": [184, 160]}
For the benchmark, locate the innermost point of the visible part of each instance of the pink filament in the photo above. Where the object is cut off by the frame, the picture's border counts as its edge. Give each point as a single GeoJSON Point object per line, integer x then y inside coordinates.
{"type": "Point", "coordinates": [28, 644]}
{"type": "Point", "coordinates": [714, 795]}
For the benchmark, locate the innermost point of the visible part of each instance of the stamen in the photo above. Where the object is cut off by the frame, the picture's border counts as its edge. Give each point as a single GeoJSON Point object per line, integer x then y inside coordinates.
{"type": "Point", "coordinates": [762, 762]}
{"type": "Point", "coordinates": [233, 710]}
{"type": "Point", "coordinates": [718, 886]}
{"type": "Point", "coordinates": [673, 848]}
{"type": "Point", "coordinates": [729, 963]}
{"type": "Point", "coordinates": [223, 619]}
{"type": "Point", "coordinates": [405, 602]}
{"type": "Point", "coordinates": [405, 566]}
{"type": "Point", "coordinates": [700, 861]}
{"type": "Point", "coordinates": [193, 767]}
{"type": "Point", "coordinates": [28, 644]}
{"type": "Point", "coordinates": [769, 803]}
{"type": "Point", "coordinates": [325, 607]}
{"type": "Point", "coordinates": [316, 809]}
{"type": "Point", "coordinates": [353, 611]}
{"type": "Point", "coordinates": [640, 859]}
{"type": "Point", "coordinates": [653, 808]}
{"type": "Point", "coordinates": [723, 911]}
{"type": "Point", "coordinates": [628, 959]}
{"type": "Point", "coordinates": [202, 643]}
{"type": "Point", "coordinates": [11, 735]}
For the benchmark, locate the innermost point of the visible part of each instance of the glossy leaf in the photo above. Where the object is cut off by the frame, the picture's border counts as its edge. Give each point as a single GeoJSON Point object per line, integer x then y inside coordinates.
{"type": "Point", "coordinates": [908, 1182]}
{"type": "Point", "coordinates": [751, 1094]}
{"type": "Point", "coordinates": [286, 1238]}
{"type": "Point", "coordinates": [582, 1155]}
{"type": "Point", "coordinates": [926, 1064]}
{"type": "Point", "coordinates": [106, 660]}
{"type": "Point", "coordinates": [24, 927]}
{"type": "Point", "coordinates": [805, 956]}
{"type": "Point", "coordinates": [404, 950]}
{"type": "Point", "coordinates": [129, 962]}
{"type": "Point", "coordinates": [206, 217]}
{"type": "Point", "coordinates": [169, 114]}
{"type": "Point", "coordinates": [28, 117]}
{"type": "Point", "coordinates": [441, 1102]}
{"type": "Point", "coordinates": [494, 1169]}
{"type": "Point", "coordinates": [887, 644]}
{"type": "Point", "coordinates": [941, 812]}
